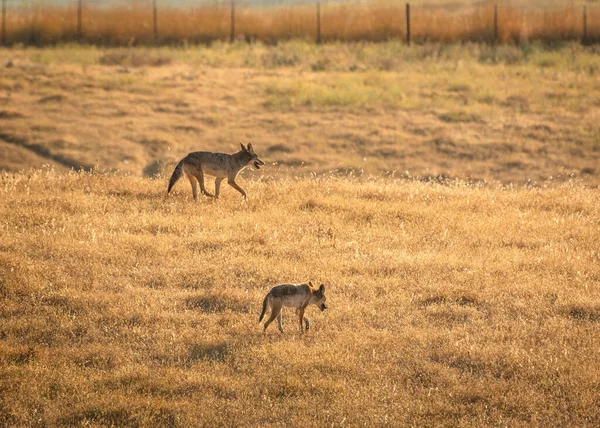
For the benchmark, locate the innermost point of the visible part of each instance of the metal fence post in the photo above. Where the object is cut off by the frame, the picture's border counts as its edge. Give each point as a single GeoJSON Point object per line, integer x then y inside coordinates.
{"type": "Point", "coordinates": [3, 22]}
{"type": "Point", "coordinates": [155, 19]}
{"type": "Point", "coordinates": [232, 36]}
{"type": "Point", "coordinates": [318, 22]}
{"type": "Point", "coordinates": [408, 23]}
{"type": "Point", "coordinates": [495, 24]}
{"type": "Point", "coordinates": [79, 14]}
{"type": "Point", "coordinates": [584, 37]}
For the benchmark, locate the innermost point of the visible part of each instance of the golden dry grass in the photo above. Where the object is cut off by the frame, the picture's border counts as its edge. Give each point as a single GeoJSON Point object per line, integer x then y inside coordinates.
{"type": "Point", "coordinates": [476, 112]}
{"type": "Point", "coordinates": [370, 21]}
{"type": "Point", "coordinates": [464, 302]}
{"type": "Point", "coordinates": [450, 305]}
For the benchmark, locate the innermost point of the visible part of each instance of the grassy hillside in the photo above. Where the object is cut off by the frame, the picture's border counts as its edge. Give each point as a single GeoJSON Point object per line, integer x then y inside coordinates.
{"type": "Point", "coordinates": [450, 304]}
{"type": "Point", "coordinates": [508, 114]}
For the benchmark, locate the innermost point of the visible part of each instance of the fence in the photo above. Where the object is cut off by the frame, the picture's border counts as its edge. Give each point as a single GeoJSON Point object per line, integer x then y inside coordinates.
{"type": "Point", "coordinates": [152, 22]}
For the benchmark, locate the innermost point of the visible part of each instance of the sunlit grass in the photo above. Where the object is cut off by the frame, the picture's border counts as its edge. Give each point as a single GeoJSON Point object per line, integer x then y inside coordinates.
{"type": "Point", "coordinates": [446, 194]}
{"type": "Point", "coordinates": [450, 303]}
{"type": "Point", "coordinates": [359, 90]}
{"type": "Point", "coordinates": [506, 113]}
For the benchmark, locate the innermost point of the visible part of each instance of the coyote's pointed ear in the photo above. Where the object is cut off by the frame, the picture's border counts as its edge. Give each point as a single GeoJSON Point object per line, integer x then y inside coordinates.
{"type": "Point", "coordinates": [243, 147]}
{"type": "Point", "coordinates": [250, 148]}
{"type": "Point", "coordinates": [322, 289]}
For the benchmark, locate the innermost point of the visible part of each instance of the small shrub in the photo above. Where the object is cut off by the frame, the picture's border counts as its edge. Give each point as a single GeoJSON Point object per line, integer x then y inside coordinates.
{"type": "Point", "coordinates": [517, 102]}
{"type": "Point", "coordinates": [459, 87]}
{"type": "Point", "coordinates": [321, 64]}
{"type": "Point", "coordinates": [459, 117]}
{"type": "Point", "coordinates": [506, 54]}
{"type": "Point", "coordinates": [58, 98]}
{"type": "Point", "coordinates": [6, 114]}
{"type": "Point", "coordinates": [277, 58]}
{"type": "Point", "coordinates": [134, 59]}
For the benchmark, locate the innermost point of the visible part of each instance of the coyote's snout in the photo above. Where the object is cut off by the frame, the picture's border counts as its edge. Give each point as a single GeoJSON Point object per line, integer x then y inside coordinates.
{"type": "Point", "coordinates": [219, 165]}
{"type": "Point", "coordinates": [297, 296]}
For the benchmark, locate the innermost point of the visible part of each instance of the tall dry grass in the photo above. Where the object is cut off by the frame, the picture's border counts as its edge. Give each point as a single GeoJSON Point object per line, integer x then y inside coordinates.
{"type": "Point", "coordinates": [370, 21]}
{"type": "Point", "coordinates": [450, 304]}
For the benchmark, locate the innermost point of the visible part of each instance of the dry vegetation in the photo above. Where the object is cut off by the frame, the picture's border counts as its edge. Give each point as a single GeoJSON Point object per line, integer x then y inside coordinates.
{"type": "Point", "coordinates": [453, 302]}
{"type": "Point", "coordinates": [509, 114]}
{"type": "Point", "coordinates": [442, 21]}
{"type": "Point", "coordinates": [449, 304]}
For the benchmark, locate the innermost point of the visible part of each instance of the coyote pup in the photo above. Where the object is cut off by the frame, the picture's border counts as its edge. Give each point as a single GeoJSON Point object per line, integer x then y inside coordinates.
{"type": "Point", "coordinates": [297, 296]}
{"type": "Point", "coordinates": [219, 165]}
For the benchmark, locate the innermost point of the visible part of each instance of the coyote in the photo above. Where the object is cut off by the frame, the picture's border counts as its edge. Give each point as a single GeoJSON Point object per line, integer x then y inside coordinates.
{"type": "Point", "coordinates": [219, 165]}
{"type": "Point", "coordinates": [297, 296]}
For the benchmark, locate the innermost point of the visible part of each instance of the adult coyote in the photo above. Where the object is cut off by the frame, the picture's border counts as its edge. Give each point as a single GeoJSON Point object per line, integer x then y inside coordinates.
{"type": "Point", "coordinates": [219, 165]}
{"type": "Point", "coordinates": [297, 296]}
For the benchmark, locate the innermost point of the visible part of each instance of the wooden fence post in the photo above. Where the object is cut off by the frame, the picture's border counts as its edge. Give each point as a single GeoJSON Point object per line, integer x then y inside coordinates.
{"type": "Point", "coordinates": [232, 36]}
{"type": "Point", "coordinates": [318, 22]}
{"type": "Point", "coordinates": [79, 14]}
{"type": "Point", "coordinates": [584, 37]}
{"type": "Point", "coordinates": [495, 24]}
{"type": "Point", "coordinates": [155, 19]}
{"type": "Point", "coordinates": [3, 22]}
{"type": "Point", "coordinates": [408, 23]}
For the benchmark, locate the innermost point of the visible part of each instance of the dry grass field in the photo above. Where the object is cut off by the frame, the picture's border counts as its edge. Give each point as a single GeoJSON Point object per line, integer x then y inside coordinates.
{"type": "Point", "coordinates": [132, 23]}
{"type": "Point", "coordinates": [508, 114]}
{"type": "Point", "coordinates": [446, 195]}
{"type": "Point", "coordinates": [449, 305]}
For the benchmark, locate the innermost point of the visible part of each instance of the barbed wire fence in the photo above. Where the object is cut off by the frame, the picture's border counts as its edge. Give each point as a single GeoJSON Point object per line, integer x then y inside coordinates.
{"type": "Point", "coordinates": [229, 10]}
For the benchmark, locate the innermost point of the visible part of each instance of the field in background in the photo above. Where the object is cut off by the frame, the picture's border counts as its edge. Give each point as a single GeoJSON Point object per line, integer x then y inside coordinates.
{"type": "Point", "coordinates": [450, 305]}
{"type": "Point", "coordinates": [509, 114]}
{"type": "Point", "coordinates": [133, 23]}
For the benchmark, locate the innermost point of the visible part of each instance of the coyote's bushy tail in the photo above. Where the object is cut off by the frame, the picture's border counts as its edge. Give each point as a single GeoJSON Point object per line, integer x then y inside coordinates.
{"type": "Point", "coordinates": [176, 175]}
{"type": "Point", "coordinates": [264, 309]}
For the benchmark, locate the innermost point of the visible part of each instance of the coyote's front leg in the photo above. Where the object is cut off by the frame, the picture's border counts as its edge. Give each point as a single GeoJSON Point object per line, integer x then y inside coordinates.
{"type": "Point", "coordinates": [200, 177]}
{"type": "Point", "coordinates": [218, 186]}
{"type": "Point", "coordinates": [232, 183]}
{"type": "Point", "coordinates": [302, 319]}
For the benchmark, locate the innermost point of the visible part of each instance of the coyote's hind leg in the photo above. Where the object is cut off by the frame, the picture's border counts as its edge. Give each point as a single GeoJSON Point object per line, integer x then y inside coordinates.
{"type": "Point", "coordinates": [218, 186]}
{"type": "Point", "coordinates": [194, 185]}
{"type": "Point", "coordinates": [275, 310]}
{"type": "Point", "coordinates": [200, 177]}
